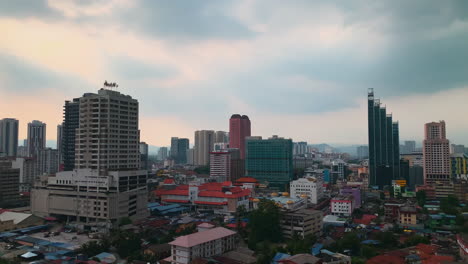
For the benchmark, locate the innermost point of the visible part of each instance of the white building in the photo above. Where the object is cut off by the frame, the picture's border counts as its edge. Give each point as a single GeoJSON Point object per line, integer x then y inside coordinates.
{"type": "Point", "coordinates": [312, 187]}
{"type": "Point", "coordinates": [204, 244]}
{"type": "Point", "coordinates": [86, 196]}
{"type": "Point", "coordinates": [342, 205]}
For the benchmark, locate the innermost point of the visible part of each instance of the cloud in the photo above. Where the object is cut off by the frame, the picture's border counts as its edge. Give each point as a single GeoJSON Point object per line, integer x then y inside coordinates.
{"type": "Point", "coordinates": [191, 64]}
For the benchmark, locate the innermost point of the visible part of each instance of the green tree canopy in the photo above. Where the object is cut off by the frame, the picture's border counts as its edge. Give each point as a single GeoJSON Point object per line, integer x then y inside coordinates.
{"type": "Point", "coordinates": [264, 223]}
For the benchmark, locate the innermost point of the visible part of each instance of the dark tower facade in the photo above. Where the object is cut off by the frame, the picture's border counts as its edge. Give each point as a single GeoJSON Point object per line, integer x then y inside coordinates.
{"type": "Point", "coordinates": [384, 145]}
{"type": "Point", "coordinates": [71, 122]}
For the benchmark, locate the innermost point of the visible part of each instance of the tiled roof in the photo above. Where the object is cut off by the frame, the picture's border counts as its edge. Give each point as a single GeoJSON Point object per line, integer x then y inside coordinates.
{"type": "Point", "coordinates": [202, 237]}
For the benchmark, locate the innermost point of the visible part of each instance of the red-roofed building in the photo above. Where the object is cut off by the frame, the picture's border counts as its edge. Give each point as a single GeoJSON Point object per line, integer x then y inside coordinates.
{"type": "Point", "coordinates": [421, 253]}
{"type": "Point", "coordinates": [222, 197]}
{"type": "Point", "coordinates": [365, 220]}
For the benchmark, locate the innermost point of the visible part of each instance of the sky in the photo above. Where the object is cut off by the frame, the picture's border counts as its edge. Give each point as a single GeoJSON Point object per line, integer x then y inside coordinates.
{"type": "Point", "coordinates": [299, 68]}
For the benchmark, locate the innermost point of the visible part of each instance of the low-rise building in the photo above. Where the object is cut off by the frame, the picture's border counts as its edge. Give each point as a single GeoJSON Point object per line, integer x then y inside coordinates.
{"type": "Point", "coordinates": [212, 242]}
{"type": "Point", "coordinates": [392, 209]}
{"type": "Point", "coordinates": [86, 196]}
{"type": "Point", "coordinates": [221, 197]}
{"type": "Point", "coordinates": [312, 187]}
{"type": "Point", "coordinates": [355, 192]}
{"type": "Point", "coordinates": [342, 205]}
{"type": "Point", "coordinates": [303, 222]}
{"type": "Point", "coordinates": [14, 220]}
{"type": "Point", "coordinates": [408, 215]}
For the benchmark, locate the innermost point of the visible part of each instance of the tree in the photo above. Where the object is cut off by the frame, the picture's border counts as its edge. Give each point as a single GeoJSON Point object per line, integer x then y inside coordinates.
{"type": "Point", "coordinates": [92, 248]}
{"type": "Point", "coordinates": [125, 221]}
{"type": "Point", "coordinates": [297, 244]}
{"type": "Point", "coordinates": [421, 198]}
{"type": "Point", "coordinates": [449, 205]}
{"type": "Point", "coordinates": [202, 170]}
{"type": "Point", "coordinates": [416, 239]}
{"type": "Point", "coordinates": [264, 223]}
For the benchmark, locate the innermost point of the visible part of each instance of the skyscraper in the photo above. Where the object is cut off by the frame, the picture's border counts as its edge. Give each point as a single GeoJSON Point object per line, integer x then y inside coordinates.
{"type": "Point", "coordinates": [204, 141]}
{"type": "Point", "coordinates": [174, 147]}
{"type": "Point", "coordinates": [8, 137]}
{"type": "Point", "coordinates": [384, 144]}
{"type": "Point", "coordinates": [36, 137]}
{"type": "Point", "coordinates": [221, 137]}
{"type": "Point", "coordinates": [179, 147]}
{"type": "Point", "coordinates": [362, 152]}
{"type": "Point", "coordinates": [182, 147]}
{"type": "Point", "coordinates": [270, 161]}
{"type": "Point", "coordinates": [70, 125]}
{"type": "Point", "coordinates": [436, 154]}
{"type": "Point", "coordinates": [409, 147]}
{"type": "Point", "coordinates": [239, 129]}
{"type": "Point", "coordinates": [108, 135]}
{"type": "Point", "coordinates": [162, 153]}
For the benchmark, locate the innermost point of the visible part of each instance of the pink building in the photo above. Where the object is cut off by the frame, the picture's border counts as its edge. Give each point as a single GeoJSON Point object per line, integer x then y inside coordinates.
{"type": "Point", "coordinates": [239, 129]}
{"type": "Point", "coordinates": [436, 154]}
{"type": "Point", "coordinates": [220, 166]}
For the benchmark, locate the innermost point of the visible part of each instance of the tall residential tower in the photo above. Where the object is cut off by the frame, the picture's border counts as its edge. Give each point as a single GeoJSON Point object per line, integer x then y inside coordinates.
{"type": "Point", "coordinates": [239, 130]}
{"type": "Point", "coordinates": [8, 137]}
{"type": "Point", "coordinates": [436, 154]}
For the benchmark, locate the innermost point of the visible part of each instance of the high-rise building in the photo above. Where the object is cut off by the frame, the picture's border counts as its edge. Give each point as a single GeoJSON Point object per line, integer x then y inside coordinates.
{"type": "Point", "coordinates": [174, 147]}
{"type": "Point", "coordinates": [191, 156]}
{"type": "Point", "coordinates": [270, 161]}
{"type": "Point", "coordinates": [362, 152]}
{"type": "Point", "coordinates": [239, 130]}
{"type": "Point", "coordinates": [144, 155]}
{"type": "Point", "coordinates": [106, 183]}
{"type": "Point", "coordinates": [457, 149]}
{"type": "Point", "coordinates": [47, 161]}
{"type": "Point", "coordinates": [384, 144]}
{"type": "Point", "coordinates": [8, 137]}
{"type": "Point", "coordinates": [204, 141]}
{"type": "Point", "coordinates": [182, 147]}
{"type": "Point", "coordinates": [436, 154]}
{"type": "Point", "coordinates": [70, 125]}
{"type": "Point", "coordinates": [220, 166]}
{"type": "Point", "coordinates": [300, 148]}
{"type": "Point", "coordinates": [221, 137]}
{"type": "Point", "coordinates": [36, 137]}
{"type": "Point", "coordinates": [28, 172]}
{"type": "Point", "coordinates": [59, 146]}
{"type": "Point", "coordinates": [179, 147]}
{"type": "Point", "coordinates": [162, 153]}
{"type": "Point", "coordinates": [108, 136]}
{"type": "Point", "coordinates": [409, 147]}
{"type": "Point", "coordinates": [9, 183]}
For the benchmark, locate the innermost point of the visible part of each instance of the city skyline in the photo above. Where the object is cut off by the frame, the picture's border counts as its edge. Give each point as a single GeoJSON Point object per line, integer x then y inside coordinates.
{"type": "Point", "coordinates": [191, 74]}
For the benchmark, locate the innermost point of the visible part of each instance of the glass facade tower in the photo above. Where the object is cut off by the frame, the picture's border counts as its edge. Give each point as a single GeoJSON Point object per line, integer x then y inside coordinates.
{"type": "Point", "coordinates": [384, 145]}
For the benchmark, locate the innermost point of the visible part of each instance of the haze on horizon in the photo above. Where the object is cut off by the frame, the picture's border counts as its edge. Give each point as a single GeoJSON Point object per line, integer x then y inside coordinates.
{"type": "Point", "coordinates": [299, 69]}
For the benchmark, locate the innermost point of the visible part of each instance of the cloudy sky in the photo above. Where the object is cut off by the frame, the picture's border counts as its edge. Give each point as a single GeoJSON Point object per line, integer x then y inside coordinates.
{"type": "Point", "coordinates": [299, 69]}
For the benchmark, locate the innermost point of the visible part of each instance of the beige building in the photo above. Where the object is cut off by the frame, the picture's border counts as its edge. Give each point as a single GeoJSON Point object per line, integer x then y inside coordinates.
{"type": "Point", "coordinates": [107, 183]}
{"type": "Point", "coordinates": [303, 222]}
{"type": "Point", "coordinates": [108, 136]}
{"type": "Point", "coordinates": [436, 154]}
{"type": "Point", "coordinates": [408, 215]}
{"type": "Point", "coordinates": [85, 196]}
{"type": "Point", "coordinates": [204, 142]}
{"type": "Point", "coordinates": [28, 172]}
